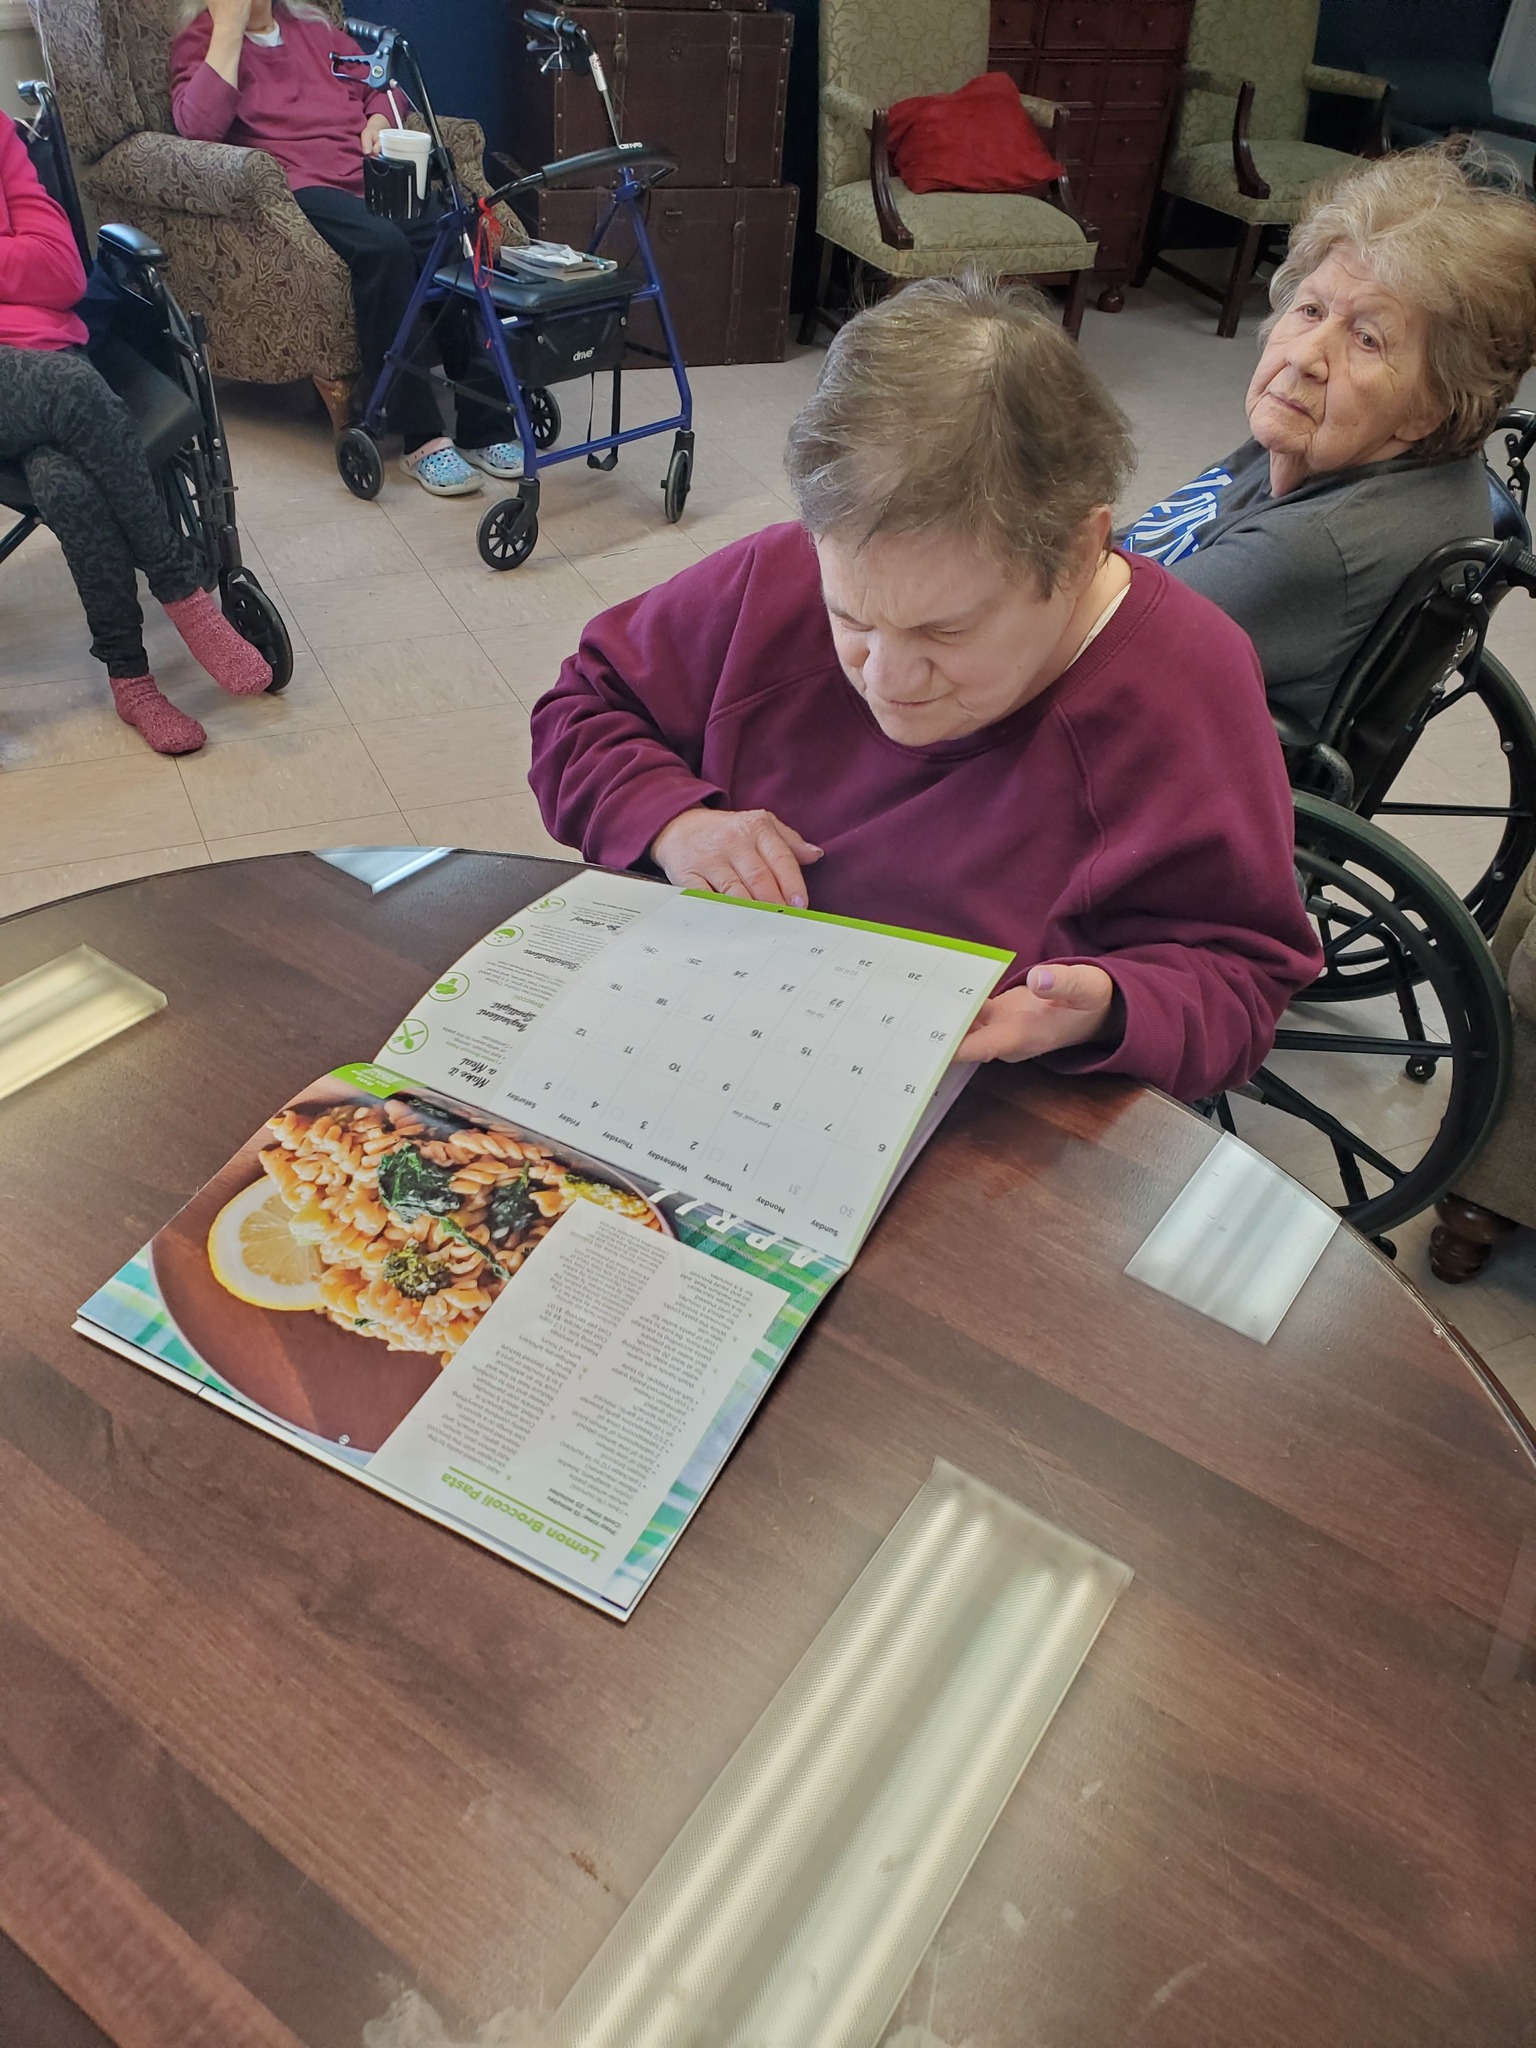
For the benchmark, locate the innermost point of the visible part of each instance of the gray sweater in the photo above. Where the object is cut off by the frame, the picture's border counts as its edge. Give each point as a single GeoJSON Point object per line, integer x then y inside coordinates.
{"type": "Point", "coordinates": [1307, 576]}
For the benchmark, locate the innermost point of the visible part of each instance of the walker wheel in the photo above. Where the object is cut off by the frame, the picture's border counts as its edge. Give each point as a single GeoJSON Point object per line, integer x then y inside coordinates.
{"type": "Point", "coordinates": [508, 534]}
{"type": "Point", "coordinates": [357, 458]}
{"type": "Point", "coordinates": [674, 489]}
{"type": "Point", "coordinates": [544, 415]}
{"type": "Point", "coordinates": [256, 618]}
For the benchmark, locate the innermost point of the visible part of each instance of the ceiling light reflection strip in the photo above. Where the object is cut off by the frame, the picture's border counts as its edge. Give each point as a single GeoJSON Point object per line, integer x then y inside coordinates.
{"type": "Point", "coordinates": [797, 1901]}
{"type": "Point", "coordinates": [63, 1009]}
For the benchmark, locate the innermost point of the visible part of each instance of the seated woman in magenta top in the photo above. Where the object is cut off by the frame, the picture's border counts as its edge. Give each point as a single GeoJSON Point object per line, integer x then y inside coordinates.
{"type": "Point", "coordinates": [941, 701]}
{"type": "Point", "coordinates": [258, 75]}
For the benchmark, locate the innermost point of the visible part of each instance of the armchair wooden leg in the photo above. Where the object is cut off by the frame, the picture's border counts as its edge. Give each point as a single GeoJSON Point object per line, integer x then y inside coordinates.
{"type": "Point", "coordinates": [1152, 248]}
{"type": "Point", "coordinates": [1072, 311]}
{"type": "Point", "coordinates": [1244, 263]}
{"type": "Point", "coordinates": [1111, 299]}
{"type": "Point", "coordinates": [1464, 1237]}
{"type": "Point", "coordinates": [336, 397]}
{"type": "Point", "coordinates": [818, 310]}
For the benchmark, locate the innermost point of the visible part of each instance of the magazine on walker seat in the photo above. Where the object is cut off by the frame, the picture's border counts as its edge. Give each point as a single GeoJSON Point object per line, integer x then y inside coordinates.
{"type": "Point", "coordinates": [530, 1270]}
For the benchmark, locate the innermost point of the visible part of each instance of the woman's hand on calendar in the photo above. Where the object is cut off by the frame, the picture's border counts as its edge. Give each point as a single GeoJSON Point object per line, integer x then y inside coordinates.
{"type": "Point", "coordinates": [1055, 1007]}
{"type": "Point", "coordinates": [735, 853]}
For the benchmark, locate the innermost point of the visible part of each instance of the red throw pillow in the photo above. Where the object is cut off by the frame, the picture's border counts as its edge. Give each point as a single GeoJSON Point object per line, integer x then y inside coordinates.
{"type": "Point", "coordinates": [978, 139]}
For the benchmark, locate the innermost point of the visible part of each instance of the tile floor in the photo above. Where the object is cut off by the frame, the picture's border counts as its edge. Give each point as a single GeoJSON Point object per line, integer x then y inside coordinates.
{"type": "Point", "coordinates": [407, 716]}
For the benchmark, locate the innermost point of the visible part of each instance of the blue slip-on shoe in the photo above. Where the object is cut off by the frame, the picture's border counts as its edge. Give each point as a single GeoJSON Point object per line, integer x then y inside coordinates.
{"type": "Point", "coordinates": [444, 473]}
{"type": "Point", "coordinates": [502, 459]}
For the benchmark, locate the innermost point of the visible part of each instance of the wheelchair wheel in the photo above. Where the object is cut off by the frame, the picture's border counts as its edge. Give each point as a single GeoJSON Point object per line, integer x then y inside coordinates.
{"type": "Point", "coordinates": [256, 618]}
{"type": "Point", "coordinates": [508, 533]}
{"type": "Point", "coordinates": [1336, 1104]}
{"type": "Point", "coordinates": [1487, 842]}
{"type": "Point", "coordinates": [543, 415]}
{"type": "Point", "coordinates": [357, 458]}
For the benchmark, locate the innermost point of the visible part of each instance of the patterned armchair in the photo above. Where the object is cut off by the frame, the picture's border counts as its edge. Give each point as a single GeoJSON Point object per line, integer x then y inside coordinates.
{"type": "Point", "coordinates": [277, 299]}
{"type": "Point", "coordinates": [1237, 144]}
{"type": "Point", "coordinates": [872, 53]}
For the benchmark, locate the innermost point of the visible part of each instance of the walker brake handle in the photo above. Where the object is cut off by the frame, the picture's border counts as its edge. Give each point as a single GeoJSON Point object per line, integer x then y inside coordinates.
{"type": "Point", "coordinates": [559, 43]}
{"type": "Point", "coordinates": [376, 50]}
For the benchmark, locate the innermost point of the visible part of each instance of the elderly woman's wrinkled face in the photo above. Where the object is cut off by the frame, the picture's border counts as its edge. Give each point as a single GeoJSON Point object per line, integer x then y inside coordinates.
{"type": "Point", "coordinates": [937, 639]}
{"type": "Point", "coordinates": [1342, 380]}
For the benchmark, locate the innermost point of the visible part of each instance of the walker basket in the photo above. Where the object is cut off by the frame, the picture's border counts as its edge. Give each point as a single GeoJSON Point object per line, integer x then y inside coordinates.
{"type": "Point", "coordinates": [556, 330]}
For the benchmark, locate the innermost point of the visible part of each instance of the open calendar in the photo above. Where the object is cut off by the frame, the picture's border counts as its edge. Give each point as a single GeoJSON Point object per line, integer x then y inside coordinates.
{"type": "Point", "coordinates": [774, 1061]}
{"type": "Point", "coordinates": [530, 1270]}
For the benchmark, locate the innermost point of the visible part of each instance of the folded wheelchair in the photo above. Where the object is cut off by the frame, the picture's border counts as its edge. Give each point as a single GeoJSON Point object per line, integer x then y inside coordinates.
{"type": "Point", "coordinates": [155, 359]}
{"type": "Point", "coordinates": [537, 332]}
{"type": "Point", "coordinates": [1409, 988]}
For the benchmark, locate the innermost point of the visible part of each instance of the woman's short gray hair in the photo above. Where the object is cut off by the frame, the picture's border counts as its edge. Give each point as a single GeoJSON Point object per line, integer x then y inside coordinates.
{"type": "Point", "coordinates": [1443, 228]}
{"type": "Point", "coordinates": [959, 404]}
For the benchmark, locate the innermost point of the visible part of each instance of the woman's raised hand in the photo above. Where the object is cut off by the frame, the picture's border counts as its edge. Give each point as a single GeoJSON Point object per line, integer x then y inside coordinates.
{"type": "Point", "coordinates": [736, 853]}
{"type": "Point", "coordinates": [230, 14]}
{"type": "Point", "coordinates": [228, 38]}
{"type": "Point", "coordinates": [1057, 1006]}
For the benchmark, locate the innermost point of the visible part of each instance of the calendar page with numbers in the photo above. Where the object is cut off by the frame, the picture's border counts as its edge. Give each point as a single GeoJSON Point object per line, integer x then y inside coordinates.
{"type": "Point", "coordinates": [775, 1062]}
{"type": "Point", "coordinates": [530, 1271]}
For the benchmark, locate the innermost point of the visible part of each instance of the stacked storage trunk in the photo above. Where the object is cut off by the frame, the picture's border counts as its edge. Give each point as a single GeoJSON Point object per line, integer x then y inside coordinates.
{"type": "Point", "coordinates": [707, 85]}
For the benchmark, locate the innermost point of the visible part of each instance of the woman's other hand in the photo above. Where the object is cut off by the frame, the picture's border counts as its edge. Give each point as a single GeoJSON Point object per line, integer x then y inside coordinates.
{"type": "Point", "coordinates": [369, 138]}
{"type": "Point", "coordinates": [736, 853]}
{"type": "Point", "coordinates": [230, 18]}
{"type": "Point", "coordinates": [1056, 1007]}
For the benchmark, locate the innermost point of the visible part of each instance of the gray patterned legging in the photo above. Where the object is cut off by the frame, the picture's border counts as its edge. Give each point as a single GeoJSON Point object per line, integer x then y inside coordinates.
{"type": "Point", "coordinates": [84, 464]}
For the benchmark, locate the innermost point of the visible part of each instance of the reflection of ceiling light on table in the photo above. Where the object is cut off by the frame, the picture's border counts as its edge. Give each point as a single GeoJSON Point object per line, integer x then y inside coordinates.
{"type": "Point", "coordinates": [796, 1903]}
{"type": "Point", "coordinates": [60, 1010]}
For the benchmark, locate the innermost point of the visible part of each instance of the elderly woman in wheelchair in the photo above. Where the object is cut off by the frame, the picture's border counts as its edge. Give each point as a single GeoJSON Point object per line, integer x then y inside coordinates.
{"type": "Point", "coordinates": [1405, 317]}
{"type": "Point", "coordinates": [79, 451]}
{"type": "Point", "coordinates": [941, 700]}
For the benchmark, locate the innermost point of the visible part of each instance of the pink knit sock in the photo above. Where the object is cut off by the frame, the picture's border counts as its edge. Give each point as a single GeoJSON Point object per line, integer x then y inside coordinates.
{"type": "Point", "coordinates": [141, 705]}
{"type": "Point", "coordinates": [232, 661]}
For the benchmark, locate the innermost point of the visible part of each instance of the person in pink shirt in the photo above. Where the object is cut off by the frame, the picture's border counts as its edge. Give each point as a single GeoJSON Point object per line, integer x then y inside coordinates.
{"type": "Point", "coordinates": [943, 701]}
{"type": "Point", "coordinates": [258, 75]}
{"type": "Point", "coordinates": [84, 464]}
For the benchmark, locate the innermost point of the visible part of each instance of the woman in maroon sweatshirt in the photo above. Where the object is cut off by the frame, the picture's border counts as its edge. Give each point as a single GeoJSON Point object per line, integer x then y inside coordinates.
{"type": "Point", "coordinates": [84, 465]}
{"type": "Point", "coordinates": [941, 701]}
{"type": "Point", "coordinates": [259, 76]}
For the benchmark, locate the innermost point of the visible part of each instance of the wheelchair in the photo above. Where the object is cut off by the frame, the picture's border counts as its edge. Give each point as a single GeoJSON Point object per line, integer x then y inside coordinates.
{"type": "Point", "coordinates": [1408, 985]}
{"type": "Point", "coordinates": [155, 359]}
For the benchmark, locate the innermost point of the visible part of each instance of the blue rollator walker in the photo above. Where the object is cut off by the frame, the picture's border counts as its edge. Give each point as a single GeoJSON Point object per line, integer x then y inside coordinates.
{"type": "Point", "coordinates": [537, 331]}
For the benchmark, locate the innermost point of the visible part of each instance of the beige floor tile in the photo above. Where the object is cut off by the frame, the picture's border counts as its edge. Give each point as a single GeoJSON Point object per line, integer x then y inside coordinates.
{"type": "Point", "coordinates": [286, 779]}
{"type": "Point", "coordinates": [43, 639]}
{"type": "Point", "coordinates": [32, 886]}
{"type": "Point", "coordinates": [444, 676]}
{"type": "Point", "coordinates": [92, 810]}
{"type": "Point", "coordinates": [380, 828]}
{"type": "Point", "coordinates": [434, 760]}
{"type": "Point", "coordinates": [601, 515]}
{"type": "Point", "coordinates": [490, 602]}
{"type": "Point", "coordinates": [308, 701]}
{"type": "Point", "coordinates": [349, 539]}
{"type": "Point", "coordinates": [618, 577]}
{"type": "Point", "coordinates": [440, 532]}
{"type": "Point", "coordinates": [44, 725]}
{"type": "Point", "coordinates": [355, 610]}
{"type": "Point", "coordinates": [498, 824]}
{"type": "Point", "coordinates": [531, 657]}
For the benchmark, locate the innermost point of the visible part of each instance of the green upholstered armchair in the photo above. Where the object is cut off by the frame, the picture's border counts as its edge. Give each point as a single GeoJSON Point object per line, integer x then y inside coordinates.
{"type": "Point", "coordinates": [874, 52]}
{"type": "Point", "coordinates": [1237, 144]}
{"type": "Point", "coordinates": [1498, 1190]}
{"type": "Point", "coordinates": [277, 299]}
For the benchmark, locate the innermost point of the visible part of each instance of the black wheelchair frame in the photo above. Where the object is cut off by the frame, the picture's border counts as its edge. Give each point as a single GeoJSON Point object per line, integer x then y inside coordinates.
{"type": "Point", "coordinates": [163, 377]}
{"type": "Point", "coordinates": [1397, 938]}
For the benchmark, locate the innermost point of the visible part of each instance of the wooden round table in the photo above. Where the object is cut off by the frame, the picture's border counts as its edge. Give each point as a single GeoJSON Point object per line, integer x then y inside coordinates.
{"type": "Point", "coordinates": [272, 1748]}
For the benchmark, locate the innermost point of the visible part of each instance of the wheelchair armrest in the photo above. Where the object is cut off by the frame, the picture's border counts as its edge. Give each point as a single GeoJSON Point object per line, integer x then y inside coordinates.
{"type": "Point", "coordinates": [131, 243]}
{"type": "Point", "coordinates": [1294, 732]}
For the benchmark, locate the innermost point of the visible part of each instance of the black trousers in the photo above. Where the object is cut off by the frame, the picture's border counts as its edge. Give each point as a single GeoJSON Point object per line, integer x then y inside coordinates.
{"type": "Point", "coordinates": [84, 464]}
{"type": "Point", "coordinates": [385, 259]}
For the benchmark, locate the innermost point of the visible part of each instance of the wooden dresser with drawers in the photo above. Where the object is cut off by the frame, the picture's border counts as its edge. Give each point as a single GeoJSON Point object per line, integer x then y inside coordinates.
{"type": "Point", "coordinates": [1115, 65]}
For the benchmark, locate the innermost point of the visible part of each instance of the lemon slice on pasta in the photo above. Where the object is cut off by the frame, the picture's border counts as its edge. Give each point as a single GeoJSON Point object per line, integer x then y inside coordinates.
{"type": "Point", "coordinates": [255, 1255]}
